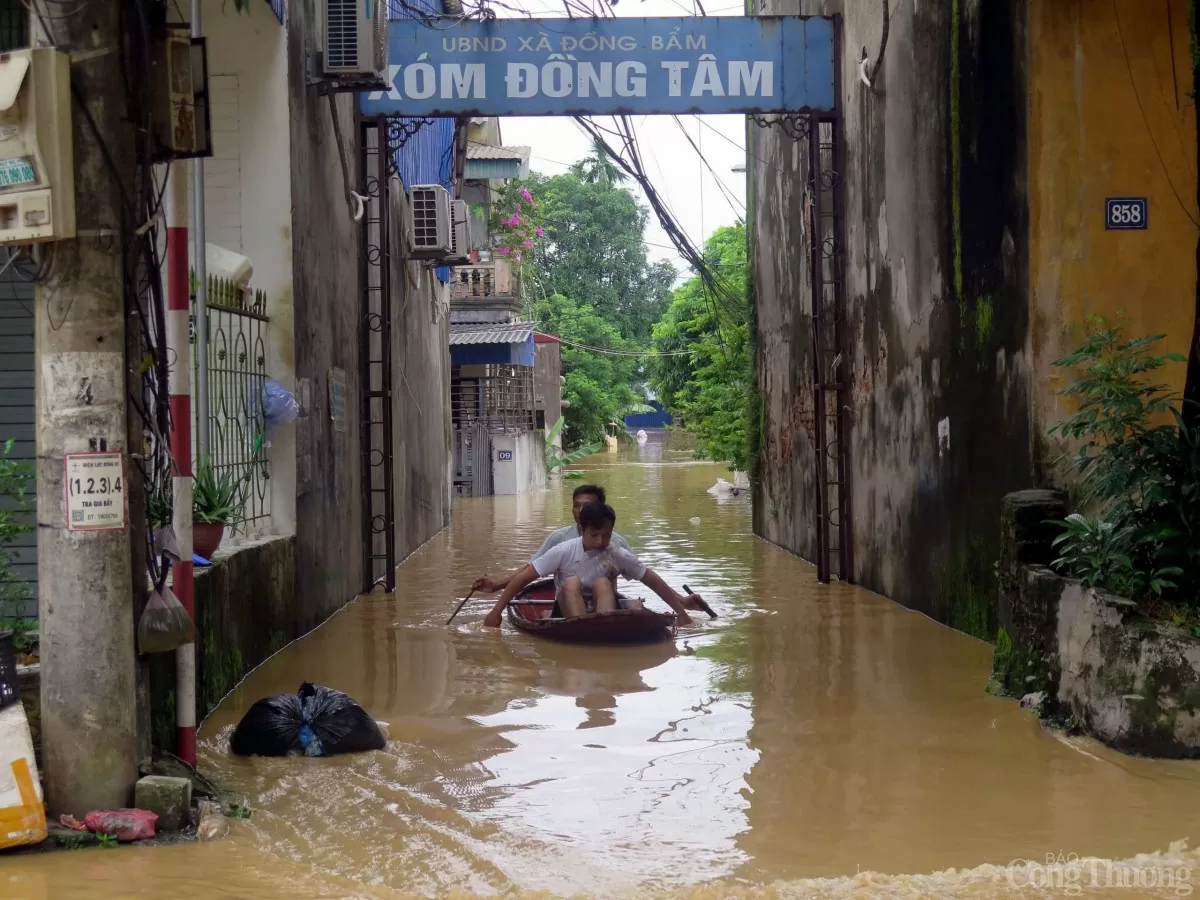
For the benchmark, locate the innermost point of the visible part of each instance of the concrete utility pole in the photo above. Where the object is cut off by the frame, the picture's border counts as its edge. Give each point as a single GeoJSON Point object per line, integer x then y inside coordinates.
{"type": "Point", "coordinates": [86, 628]}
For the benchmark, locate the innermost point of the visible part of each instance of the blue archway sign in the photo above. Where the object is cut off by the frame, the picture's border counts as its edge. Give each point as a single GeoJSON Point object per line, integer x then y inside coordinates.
{"type": "Point", "coordinates": [650, 66]}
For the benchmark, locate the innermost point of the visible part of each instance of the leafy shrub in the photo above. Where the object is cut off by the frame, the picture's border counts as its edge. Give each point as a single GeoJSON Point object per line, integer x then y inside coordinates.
{"type": "Point", "coordinates": [1142, 479]}
{"type": "Point", "coordinates": [16, 480]}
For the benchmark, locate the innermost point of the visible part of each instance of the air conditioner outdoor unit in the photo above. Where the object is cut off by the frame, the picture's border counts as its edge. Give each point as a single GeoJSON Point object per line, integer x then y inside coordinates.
{"type": "Point", "coordinates": [460, 232]}
{"type": "Point", "coordinates": [356, 41]}
{"type": "Point", "coordinates": [430, 232]}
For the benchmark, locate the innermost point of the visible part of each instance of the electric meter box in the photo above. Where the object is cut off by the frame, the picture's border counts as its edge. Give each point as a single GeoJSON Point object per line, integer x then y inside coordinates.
{"type": "Point", "coordinates": [37, 161]}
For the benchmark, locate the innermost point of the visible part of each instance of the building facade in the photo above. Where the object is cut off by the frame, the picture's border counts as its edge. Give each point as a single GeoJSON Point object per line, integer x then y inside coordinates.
{"type": "Point", "coordinates": [498, 426]}
{"type": "Point", "coordinates": [972, 176]}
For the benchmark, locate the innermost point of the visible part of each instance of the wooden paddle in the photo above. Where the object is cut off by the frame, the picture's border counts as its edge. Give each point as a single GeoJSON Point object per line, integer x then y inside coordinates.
{"type": "Point", "coordinates": [460, 606]}
{"type": "Point", "coordinates": [704, 606]}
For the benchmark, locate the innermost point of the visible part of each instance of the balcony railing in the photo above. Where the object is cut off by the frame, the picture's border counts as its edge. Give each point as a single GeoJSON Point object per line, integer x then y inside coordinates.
{"type": "Point", "coordinates": [485, 280]}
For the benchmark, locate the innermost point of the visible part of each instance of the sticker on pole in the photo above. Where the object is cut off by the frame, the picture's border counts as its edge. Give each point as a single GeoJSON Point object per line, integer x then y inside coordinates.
{"type": "Point", "coordinates": [95, 489]}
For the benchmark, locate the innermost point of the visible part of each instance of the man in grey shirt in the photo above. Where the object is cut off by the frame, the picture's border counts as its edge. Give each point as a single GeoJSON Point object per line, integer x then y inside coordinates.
{"type": "Point", "coordinates": [584, 494]}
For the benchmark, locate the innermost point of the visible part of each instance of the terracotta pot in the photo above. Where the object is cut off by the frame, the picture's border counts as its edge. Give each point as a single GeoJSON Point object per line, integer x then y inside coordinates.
{"type": "Point", "coordinates": [206, 538]}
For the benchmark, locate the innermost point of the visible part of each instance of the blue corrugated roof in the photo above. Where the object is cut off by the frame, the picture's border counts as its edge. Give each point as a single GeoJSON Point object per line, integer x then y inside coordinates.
{"type": "Point", "coordinates": [427, 157]}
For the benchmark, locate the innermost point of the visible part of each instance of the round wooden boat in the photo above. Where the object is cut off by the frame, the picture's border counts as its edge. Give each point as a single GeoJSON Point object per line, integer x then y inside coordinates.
{"type": "Point", "coordinates": [534, 611]}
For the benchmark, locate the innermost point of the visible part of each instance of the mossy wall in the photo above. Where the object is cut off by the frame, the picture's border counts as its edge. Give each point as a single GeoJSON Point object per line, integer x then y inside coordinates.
{"type": "Point", "coordinates": [245, 612]}
{"type": "Point", "coordinates": [935, 304]}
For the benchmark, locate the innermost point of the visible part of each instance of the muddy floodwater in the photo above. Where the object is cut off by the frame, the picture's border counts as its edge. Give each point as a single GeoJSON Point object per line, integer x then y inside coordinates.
{"type": "Point", "coordinates": [812, 741]}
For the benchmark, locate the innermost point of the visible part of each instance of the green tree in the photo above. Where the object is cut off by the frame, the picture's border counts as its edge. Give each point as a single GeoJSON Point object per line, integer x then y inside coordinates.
{"type": "Point", "coordinates": [709, 389]}
{"type": "Point", "coordinates": [598, 386]}
{"type": "Point", "coordinates": [598, 167]}
{"type": "Point", "coordinates": [594, 251]}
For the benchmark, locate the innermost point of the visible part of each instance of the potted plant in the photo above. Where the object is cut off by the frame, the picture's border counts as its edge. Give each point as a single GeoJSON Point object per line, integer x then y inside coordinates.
{"type": "Point", "coordinates": [216, 502]}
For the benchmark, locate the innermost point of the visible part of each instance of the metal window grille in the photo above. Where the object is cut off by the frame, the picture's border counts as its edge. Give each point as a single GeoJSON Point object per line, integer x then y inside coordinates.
{"type": "Point", "coordinates": [237, 373]}
{"type": "Point", "coordinates": [500, 397]}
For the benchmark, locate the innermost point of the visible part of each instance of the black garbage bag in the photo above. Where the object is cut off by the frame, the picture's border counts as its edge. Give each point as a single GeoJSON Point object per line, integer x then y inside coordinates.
{"type": "Point", "coordinates": [315, 721]}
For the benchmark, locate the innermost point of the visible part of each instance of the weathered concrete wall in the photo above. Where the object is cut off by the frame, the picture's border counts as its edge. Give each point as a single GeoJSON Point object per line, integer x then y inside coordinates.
{"type": "Point", "coordinates": [1083, 658]}
{"type": "Point", "coordinates": [786, 484]}
{"type": "Point", "coordinates": [1112, 116]}
{"type": "Point", "coordinates": [246, 610]}
{"type": "Point", "coordinates": [420, 394]}
{"type": "Point", "coordinates": [935, 214]}
{"type": "Point", "coordinates": [326, 301]}
{"type": "Point", "coordinates": [1090, 661]}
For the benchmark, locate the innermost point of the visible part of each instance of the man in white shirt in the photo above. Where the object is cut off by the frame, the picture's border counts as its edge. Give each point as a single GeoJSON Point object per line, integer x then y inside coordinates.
{"type": "Point", "coordinates": [585, 572]}
{"type": "Point", "coordinates": [583, 495]}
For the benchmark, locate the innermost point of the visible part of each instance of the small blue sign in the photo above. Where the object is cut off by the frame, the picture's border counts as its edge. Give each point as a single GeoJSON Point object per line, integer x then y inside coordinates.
{"type": "Point", "coordinates": [504, 455]}
{"type": "Point", "coordinates": [650, 66]}
{"type": "Point", "coordinates": [1125, 214]}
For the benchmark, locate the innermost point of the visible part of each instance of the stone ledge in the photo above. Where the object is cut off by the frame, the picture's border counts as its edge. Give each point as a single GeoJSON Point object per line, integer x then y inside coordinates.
{"type": "Point", "coordinates": [1133, 683]}
{"type": "Point", "coordinates": [1091, 659]}
{"type": "Point", "coordinates": [245, 611]}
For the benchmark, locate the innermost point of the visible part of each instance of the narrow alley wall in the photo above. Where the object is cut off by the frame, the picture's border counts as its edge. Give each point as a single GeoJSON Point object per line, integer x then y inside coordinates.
{"type": "Point", "coordinates": [925, 225]}
{"type": "Point", "coordinates": [420, 393]}
{"type": "Point", "coordinates": [1113, 116]}
{"type": "Point", "coordinates": [326, 302]}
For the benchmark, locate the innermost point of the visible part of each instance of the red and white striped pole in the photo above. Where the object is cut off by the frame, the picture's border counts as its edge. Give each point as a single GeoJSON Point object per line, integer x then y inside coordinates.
{"type": "Point", "coordinates": [179, 351]}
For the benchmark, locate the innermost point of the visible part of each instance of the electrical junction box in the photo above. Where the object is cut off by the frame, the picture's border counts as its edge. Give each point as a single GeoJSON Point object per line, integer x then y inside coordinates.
{"type": "Point", "coordinates": [37, 160]}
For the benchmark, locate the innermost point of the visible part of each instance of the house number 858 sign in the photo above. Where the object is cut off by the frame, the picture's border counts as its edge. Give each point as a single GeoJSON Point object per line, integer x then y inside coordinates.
{"type": "Point", "coordinates": [1125, 214]}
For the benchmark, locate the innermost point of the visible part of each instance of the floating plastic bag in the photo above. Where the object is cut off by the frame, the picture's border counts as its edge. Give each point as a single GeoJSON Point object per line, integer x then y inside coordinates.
{"type": "Point", "coordinates": [164, 624]}
{"type": "Point", "coordinates": [315, 721]}
{"type": "Point", "coordinates": [213, 823]}
{"type": "Point", "coordinates": [125, 825]}
{"type": "Point", "coordinates": [22, 815]}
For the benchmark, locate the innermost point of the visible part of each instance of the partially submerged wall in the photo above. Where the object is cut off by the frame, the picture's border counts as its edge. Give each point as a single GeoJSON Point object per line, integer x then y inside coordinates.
{"type": "Point", "coordinates": [245, 611]}
{"type": "Point", "coordinates": [420, 394]}
{"type": "Point", "coordinates": [325, 261]}
{"type": "Point", "coordinates": [1086, 659]}
{"type": "Point", "coordinates": [518, 463]}
{"type": "Point", "coordinates": [936, 305]}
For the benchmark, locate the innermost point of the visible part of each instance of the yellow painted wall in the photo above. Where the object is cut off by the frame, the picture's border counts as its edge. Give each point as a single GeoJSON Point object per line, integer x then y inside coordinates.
{"type": "Point", "coordinates": [1110, 115]}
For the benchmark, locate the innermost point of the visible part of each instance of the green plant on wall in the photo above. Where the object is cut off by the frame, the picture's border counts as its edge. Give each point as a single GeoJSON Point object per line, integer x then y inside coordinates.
{"type": "Point", "coordinates": [217, 498]}
{"type": "Point", "coordinates": [1138, 479]}
{"type": "Point", "coordinates": [16, 483]}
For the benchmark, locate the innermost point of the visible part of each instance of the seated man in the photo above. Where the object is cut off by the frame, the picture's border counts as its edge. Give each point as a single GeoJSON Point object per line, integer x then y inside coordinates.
{"type": "Point", "coordinates": [585, 572]}
{"type": "Point", "coordinates": [583, 495]}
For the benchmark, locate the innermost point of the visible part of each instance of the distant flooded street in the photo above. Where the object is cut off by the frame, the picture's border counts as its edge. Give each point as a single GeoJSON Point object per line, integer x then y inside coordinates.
{"type": "Point", "coordinates": [807, 738]}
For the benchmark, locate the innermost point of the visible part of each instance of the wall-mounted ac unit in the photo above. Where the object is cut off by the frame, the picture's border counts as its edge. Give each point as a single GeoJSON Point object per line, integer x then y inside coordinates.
{"type": "Point", "coordinates": [355, 46]}
{"type": "Point", "coordinates": [430, 233]}
{"type": "Point", "coordinates": [460, 233]}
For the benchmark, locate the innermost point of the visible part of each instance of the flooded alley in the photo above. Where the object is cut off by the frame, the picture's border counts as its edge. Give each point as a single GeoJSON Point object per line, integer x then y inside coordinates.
{"type": "Point", "coordinates": [809, 737]}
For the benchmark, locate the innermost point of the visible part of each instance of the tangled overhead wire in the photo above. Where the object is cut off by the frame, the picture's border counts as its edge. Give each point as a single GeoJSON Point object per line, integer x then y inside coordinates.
{"type": "Point", "coordinates": [723, 303]}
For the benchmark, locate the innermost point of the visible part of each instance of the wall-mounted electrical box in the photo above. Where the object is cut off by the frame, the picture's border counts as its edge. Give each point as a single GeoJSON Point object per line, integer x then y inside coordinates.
{"type": "Point", "coordinates": [37, 159]}
{"type": "Point", "coordinates": [182, 126]}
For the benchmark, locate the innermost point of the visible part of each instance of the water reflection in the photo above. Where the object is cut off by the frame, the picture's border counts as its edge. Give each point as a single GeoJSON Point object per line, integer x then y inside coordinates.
{"type": "Point", "coordinates": [809, 732]}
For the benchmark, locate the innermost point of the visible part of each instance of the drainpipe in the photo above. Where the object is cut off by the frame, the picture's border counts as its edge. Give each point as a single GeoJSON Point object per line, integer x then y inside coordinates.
{"type": "Point", "coordinates": [200, 264]}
